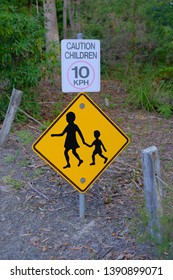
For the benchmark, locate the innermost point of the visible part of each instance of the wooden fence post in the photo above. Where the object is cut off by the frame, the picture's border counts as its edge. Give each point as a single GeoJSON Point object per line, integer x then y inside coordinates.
{"type": "Point", "coordinates": [153, 190]}
{"type": "Point", "coordinates": [12, 108]}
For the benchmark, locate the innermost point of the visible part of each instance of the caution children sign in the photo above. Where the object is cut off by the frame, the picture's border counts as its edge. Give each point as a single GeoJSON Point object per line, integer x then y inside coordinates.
{"type": "Point", "coordinates": [80, 65]}
{"type": "Point", "coordinates": [81, 143]}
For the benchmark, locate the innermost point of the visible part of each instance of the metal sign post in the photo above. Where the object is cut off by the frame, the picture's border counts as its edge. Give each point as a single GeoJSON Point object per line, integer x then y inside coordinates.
{"type": "Point", "coordinates": [81, 205]}
{"type": "Point", "coordinates": [81, 195]}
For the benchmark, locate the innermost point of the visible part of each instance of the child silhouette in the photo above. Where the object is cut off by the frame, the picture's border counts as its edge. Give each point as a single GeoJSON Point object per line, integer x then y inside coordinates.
{"type": "Point", "coordinates": [98, 150]}
{"type": "Point", "coordinates": [71, 141]}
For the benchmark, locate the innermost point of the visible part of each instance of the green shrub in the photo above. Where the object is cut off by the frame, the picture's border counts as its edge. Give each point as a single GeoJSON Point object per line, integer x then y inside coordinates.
{"type": "Point", "coordinates": [21, 50]}
{"type": "Point", "coordinates": [149, 87]}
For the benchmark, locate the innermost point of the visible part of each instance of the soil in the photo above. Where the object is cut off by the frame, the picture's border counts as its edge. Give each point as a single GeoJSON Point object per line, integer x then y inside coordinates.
{"type": "Point", "coordinates": [39, 210]}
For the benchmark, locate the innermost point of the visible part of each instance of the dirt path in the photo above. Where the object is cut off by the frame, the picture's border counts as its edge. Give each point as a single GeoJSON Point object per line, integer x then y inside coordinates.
{"type": "Point", "coordinates": [39, 211]}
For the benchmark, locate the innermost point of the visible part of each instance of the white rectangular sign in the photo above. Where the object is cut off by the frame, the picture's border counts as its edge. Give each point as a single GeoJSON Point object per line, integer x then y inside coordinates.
{"type": "Point", "coordinates": [80, 65]}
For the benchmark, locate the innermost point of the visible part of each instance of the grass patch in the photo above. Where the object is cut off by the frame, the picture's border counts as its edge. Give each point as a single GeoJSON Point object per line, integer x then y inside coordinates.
{"type": "Point", "coordinates": [25, 137]}
{"type": "Point", "coordinates": [44, 125]}
{"type": "Point", "coordinates": [57, 108]}
{"type": "Point", "coordinates": [13, 183]}
{"type": "Point", "coordinates": [149, 88]}
{"type": "Point", "coordinates": [38, 172]}
{"type": "Point", "coordinates": [11, 158]}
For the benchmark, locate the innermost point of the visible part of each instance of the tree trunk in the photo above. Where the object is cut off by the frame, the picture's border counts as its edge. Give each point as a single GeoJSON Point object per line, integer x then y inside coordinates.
{"type": "Point", "coordinates": [71, 16]}
{"type": "Point", "coordinates": [78, 27]}
{"type": "Point", "coordinates": [29, 4]}
{"type": "Point", "coordinates": [68, 11]}
{"type": "Point", "coordinates": [51, 25]}
{"type": "Point", "coordinates": [65, 19]}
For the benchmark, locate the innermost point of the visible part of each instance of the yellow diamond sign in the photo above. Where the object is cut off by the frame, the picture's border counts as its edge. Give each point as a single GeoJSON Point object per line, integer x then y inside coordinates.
{"type": "Point", "coordinates": [81, 142]}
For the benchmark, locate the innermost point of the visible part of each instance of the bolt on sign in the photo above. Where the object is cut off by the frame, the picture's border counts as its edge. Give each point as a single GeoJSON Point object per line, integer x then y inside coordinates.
{"type": "Point", "coordinates": [80, 65]}
{"type": "Point", "coordinates": [81, 142]}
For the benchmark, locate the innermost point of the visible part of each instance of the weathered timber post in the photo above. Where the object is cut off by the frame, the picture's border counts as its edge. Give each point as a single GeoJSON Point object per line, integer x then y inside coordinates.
{"type": "Point", "coordinates": [12, 108]}
{"type": "Point", "coordinates": [153, 190]}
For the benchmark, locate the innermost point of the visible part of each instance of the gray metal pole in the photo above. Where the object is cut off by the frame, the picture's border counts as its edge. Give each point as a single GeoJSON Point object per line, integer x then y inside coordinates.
{"type": "Point", "coordinates": [81, 195]}
{"type": "Point", "coordinates": [82, 205]}
{"type": "Point", "coordinates": [79, 35]}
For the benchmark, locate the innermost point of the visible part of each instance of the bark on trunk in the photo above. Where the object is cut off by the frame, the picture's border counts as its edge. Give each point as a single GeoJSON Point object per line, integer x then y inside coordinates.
{"type": "Point", "coordinates": [51, 25]}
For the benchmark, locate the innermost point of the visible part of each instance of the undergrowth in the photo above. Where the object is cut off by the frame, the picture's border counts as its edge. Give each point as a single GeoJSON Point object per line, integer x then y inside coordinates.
{"type": "Point", "coordinates": [163, 247]}
{"type": "Point", "coordinates": [149, 87]}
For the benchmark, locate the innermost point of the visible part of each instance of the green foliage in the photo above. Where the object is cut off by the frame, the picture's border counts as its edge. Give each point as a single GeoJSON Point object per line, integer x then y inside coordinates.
{"type": "Point", "coordinates": [98, 21]}
{"type": "Point", "coordinates": [38, 172]}
{"type": "Point", "coordinates": [148, 89]}
{"type": "Point", "coordinates": [166, 110]}
{"type": "Point", "coordinates": [139, 87]}
{"type": "Point", "coordinates": [3, 104]}
{"type": "Point", "coordinates": [45, 125]}
{"type": "Point", "coordinates": [11, 158]}
{"type": "Point", "coordinates": [160, 29]}
{"type": "Point", "coordinates": [22, 40]}
{"type": "Point", "coordinates": [13, 183]}
{"type": "Point", "coordinates": [94, 17]}
{"type": "Point", "coordinates": [57, 108]}
{"type": "Point", "coordinates": [29, 104]}
{"type": "Point", "coordinates": [21, 51]}
{"type": "Point", "coordinates": [137, 35]}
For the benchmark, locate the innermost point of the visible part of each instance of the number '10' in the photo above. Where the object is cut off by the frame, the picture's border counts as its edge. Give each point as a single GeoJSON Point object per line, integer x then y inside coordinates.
{"type": "Point", "coordinates": [81, 72]}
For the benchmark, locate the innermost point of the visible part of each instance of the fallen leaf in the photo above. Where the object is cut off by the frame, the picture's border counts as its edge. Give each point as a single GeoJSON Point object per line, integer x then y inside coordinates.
{"type": "Point", "coordinates": [77, 248]}
{"type": "Point", "coordinates": [120, 257]}
{"type": "Point", "coordinates": [44, 248]}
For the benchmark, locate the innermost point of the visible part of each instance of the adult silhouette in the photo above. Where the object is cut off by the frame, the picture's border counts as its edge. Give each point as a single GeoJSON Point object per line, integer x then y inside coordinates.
{"type": "Point", "coordinates": [71, 142]}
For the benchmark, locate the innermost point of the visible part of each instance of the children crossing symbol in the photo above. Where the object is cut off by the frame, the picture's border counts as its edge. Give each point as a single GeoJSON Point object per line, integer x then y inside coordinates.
{"type": "Point", "coordinates": [81, 143]}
